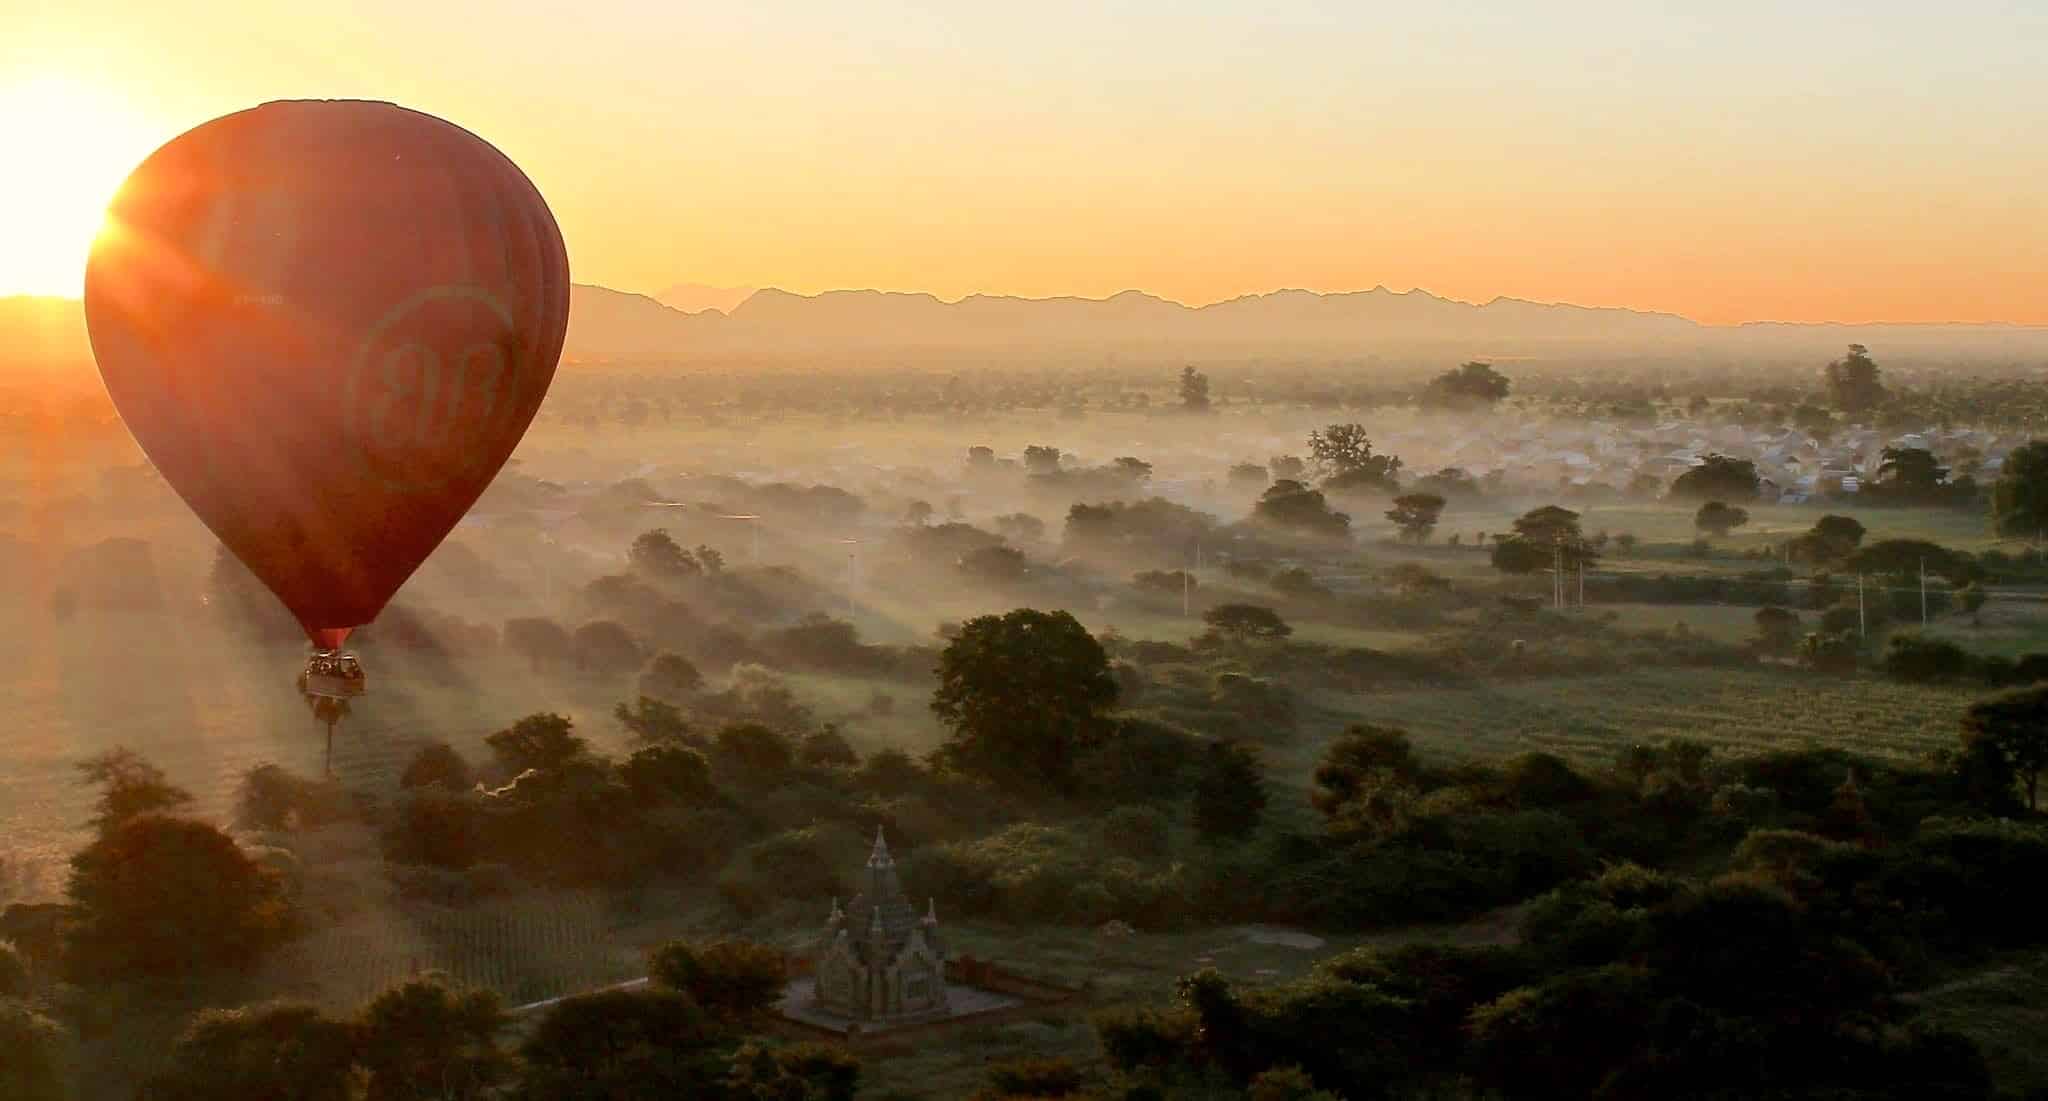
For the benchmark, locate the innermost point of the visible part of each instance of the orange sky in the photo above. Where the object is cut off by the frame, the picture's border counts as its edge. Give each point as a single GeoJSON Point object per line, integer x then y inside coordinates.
{"type": "Point", "coordinates": [1834, 162]}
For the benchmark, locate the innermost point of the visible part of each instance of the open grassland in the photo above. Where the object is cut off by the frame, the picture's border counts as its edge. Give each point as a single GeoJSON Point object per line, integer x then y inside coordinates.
{"type": "Point", "coordinates": [1592, 718]}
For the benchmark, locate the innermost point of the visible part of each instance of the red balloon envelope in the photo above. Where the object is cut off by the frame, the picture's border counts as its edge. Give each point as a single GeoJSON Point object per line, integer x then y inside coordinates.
{"type": "Point", "coordinates": [328, 323]}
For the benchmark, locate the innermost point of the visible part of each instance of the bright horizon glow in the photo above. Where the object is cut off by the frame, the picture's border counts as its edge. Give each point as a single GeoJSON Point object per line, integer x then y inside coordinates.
{"type": "Point", "coordinates": [75, 144]}
{"type": "Point", "coordinates": [1874, 161]}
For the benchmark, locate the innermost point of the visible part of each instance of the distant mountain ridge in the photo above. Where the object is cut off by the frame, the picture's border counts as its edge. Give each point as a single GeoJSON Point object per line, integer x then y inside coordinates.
{"type": "Point", "coordinates": [771, 324]}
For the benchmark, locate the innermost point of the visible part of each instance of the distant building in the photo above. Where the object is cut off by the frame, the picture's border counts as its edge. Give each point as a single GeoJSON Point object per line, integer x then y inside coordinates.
{"type": "Point", "coordinates": [879, 960]}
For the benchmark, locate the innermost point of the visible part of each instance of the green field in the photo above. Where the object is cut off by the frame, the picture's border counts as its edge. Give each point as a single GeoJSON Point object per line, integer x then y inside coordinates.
{"type": "Point", "coordinates": [1592, 718]}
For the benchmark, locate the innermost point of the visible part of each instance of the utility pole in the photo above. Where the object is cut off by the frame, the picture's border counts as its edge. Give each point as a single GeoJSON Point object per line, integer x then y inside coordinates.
{"type": "Point", "coordinates": [1187, 582]}
{"type": "Point", "coordinates": [1860, 629]}
{"type": "Point", "coordinates": [1582, 584]}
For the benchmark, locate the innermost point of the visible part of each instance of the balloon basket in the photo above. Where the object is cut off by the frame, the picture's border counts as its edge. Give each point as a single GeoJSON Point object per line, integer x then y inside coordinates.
{"type": "Point", "coordinates": [332, 674]}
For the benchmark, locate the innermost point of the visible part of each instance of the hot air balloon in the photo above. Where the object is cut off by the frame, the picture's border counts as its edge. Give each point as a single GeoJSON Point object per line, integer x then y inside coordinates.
{"type": "Point", "coordinates": [328, 324]}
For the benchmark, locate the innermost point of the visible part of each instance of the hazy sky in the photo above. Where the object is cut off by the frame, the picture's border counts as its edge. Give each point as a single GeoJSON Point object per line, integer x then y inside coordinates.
{"type": "Point", "coordinates": [1803, 161]}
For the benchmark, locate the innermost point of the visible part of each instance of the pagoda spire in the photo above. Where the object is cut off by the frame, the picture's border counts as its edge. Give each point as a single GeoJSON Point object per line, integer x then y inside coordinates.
{"type": "Point", "coordinates": [880, 858]}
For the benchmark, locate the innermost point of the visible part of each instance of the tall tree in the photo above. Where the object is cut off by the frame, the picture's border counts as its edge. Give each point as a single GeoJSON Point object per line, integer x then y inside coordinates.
{"type": "Point", "coordinates": [2014, 726]}
{"type": "Point", "coordinates": [35, 1063]}
{"type": "Point", "coordinates": [422, 1041]}
{"type": "Point", "coordinates": [283, 1051]}
{"type": "Point", "coordinates": [1023, 693]}
{"type": "Point", "coordinates": [131, 786]}
{"type": "Point", "coordinates": [1471, 385]}
{"type": "Point", "coordinates": [1246, 622]}
{"type": "Point", "coordinates": [656, 554]}
{"type": "Point", "coordinates": [1194, 390]}
{"type": "Point", "coordinates": [1230, 792]}
{"type": "Point", "coordinates": [1853, 381]}
{"type": "Point", "coordinates": [1911, 473]}
{"type": "Point", "coordinates": [160, 896]}
{"type": "Point", "coordinates": [1718, 477]}
{"type": "Point", "coordinates": [542, 740]}
{"type": "Point", "coordinates": [1290, 504]}
{"type": "Point", "coordinates": [1719, 518]}
{"type": "Point", "coordinates": [2019, 499]}
{"type": "Point", "coordinates": [1416, 515]}
{"type": "Point", "coordinates": [1344, 459]}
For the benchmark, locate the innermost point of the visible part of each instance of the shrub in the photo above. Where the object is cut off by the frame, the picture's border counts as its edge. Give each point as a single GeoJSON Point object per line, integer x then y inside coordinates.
{"type": "Point", "coordinates": [730, 979]}
{"type": "Point", "coordinates": [1919, 659]}
{"type": "Point", "coordinates": [788, 865]}
{"type": "Point", "coordinates": [1139, 832]}
{"type": "Point", "coordinates": [1035, 1078]}
{"type": "Point", "coordinates": [437, 763]}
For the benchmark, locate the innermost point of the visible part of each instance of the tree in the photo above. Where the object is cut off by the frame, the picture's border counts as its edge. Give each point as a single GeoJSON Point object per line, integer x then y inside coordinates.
{"type": "Point", "coordinates": [2014, 726]}
{"type": "Point", "coordinates": [285, 1051]}
{"type": "Point", "coordinates": [1358, 760]}
{"type": "Point", "coordinates": [14, 975]}
{"type": "Point", "coordinates": [1777, 629]}
{"type": "Point", "coordinates": [653, 721]}
{"type": "Point", "coordinates": [1020, 527]}
{"type": "Point", "coordinates": [1718, 477]}
{"type": "Point", "coordinates": [1415, 579]}
{"type": "Point", "coordinates": [606, 647]}
{"type": "Point", "coordinates": [35, 1055]}
{"type": "Point", "coordinates": [1023, 694]}
{"type": "Point", "coordinates": [1853, 381]}
{"type": "Point", "coordinates": [1171, 582]}
{"type": "Point", "coordinates": [1719, 518]}
{"type": "Point", "coordinates": [1230, 792]}
{"type": "Point", "coordinates": [422, 1041]}
{"type": "Point", "coordinates": [1516, 555]}
{"type": "Point", "coordinates": [668, 774]}
{"type": "Point", "coordinates": [994, 564]}
{"type": "Point", "coordinates": [1041, 460]}
{"type": "Point", "coordinates": [656, 555]}
{"type": "Point", "coordinates": [1292, 505]}
{"type": "Point", "coordinates": [828, 748]}
{"type": "Point", "coordinates": [1472, 385]}
{"type": "Point", "coordinates": [1451, 481]}
{"type": "Point", "coordinates": [1297, 582]}
{"type": "Point", "coordinates": [670, 677]}
{"type": "Point", "coordinates": [754, 751]}
{"type": "Point", "coordinates": [1247, 474]}
{"type": "Point", "coordinates": [1287, 467]}
{"type": "Point", "coordinates": [131, 787]}
{"type": "Point", "coordinates": [542, 642]}
{"type": "Point", "coordinates": [620, 1044]}
{"type": "Point", "coordinates": [542, 740]}
{"type": "Point", "coordinates": [1343, 458]}
{"type": "Point", "coordinates": [1416, 515]}
{"type": "Point", "coordinates": [1903, 559]}
{"type": "Point", "coordinates": [1246, 622]}
{"type": "Point", "coordinates": [1911, 473]}
{"type": "Point", "coordinates": [1549, 526]}
{"type": "Point", "coordinates": [171, 897]}
{"type": "Point", "coordinates": [733, 980]}
{"type": "Point", "coordinates": [1194, 390]}
{"type": "Point", "coordinates": [918, 513]}
{"type": "Point", "coordinates": [802, 1072]}
{"type": "Point", "coordinates": [1842, 531]}
{"type": "Point", "coordinates": [2019, 499]}
{"type": "Point", "coordinates": [437, 763]}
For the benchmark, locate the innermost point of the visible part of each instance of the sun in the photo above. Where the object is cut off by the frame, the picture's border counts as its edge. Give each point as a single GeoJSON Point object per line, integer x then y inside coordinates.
{"type": "Point", "coordinates": [69, 147]}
